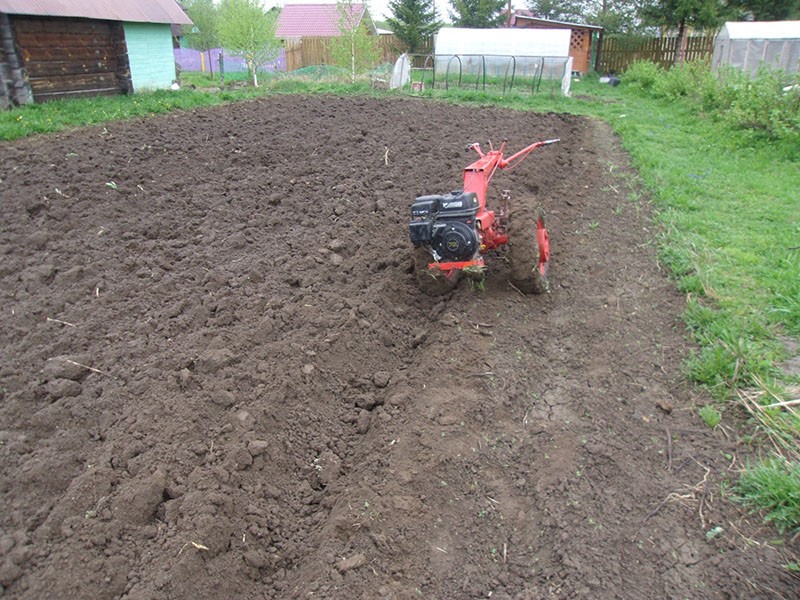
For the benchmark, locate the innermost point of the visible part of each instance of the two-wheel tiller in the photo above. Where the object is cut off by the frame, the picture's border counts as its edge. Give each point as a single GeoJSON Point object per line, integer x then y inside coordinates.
{"type": "Point", "coordinates": [453, 231]}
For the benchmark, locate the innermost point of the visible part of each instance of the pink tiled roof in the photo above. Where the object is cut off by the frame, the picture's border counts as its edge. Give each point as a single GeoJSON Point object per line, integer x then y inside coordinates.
{"type": "Point", "coordinates": [299, 20]}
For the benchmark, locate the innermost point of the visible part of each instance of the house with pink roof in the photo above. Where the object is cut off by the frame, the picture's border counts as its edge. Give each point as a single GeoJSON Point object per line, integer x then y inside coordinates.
{"type": "Point", "coordinates": [321, 20]}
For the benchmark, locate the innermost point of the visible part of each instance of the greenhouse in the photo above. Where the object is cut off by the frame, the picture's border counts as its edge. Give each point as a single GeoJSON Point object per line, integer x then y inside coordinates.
{"type": "Point", "coordinates": [747, 45]}
{"type": "Point", "coordinates": [513, 59]}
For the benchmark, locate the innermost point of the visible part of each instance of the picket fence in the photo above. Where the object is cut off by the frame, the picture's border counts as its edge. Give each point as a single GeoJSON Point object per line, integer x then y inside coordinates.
{"type": "Point", "coordinates": [616, 54]}
{"type": "Point", "coordinates": [309, 51]}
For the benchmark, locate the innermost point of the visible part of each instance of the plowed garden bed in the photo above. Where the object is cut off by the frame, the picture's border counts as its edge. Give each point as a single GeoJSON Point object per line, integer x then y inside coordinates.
{"type": "Point", "coordinates": [219, 379]}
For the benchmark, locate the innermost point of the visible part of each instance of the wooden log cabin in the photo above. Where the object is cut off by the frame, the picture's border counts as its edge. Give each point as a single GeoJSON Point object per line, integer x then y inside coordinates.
{"type": "Point", "coordinates": [53, 49]}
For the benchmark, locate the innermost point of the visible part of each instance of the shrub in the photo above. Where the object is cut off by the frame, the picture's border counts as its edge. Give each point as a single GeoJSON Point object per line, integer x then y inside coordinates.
{"type": "Point", "coordinates": [761, 104]}
{"type": "Point", "coordinates": [768, 104]}
{"type": "Point", "coordinates": [690, 80]}
{"type": "Point", "coordinates": [643, 74]}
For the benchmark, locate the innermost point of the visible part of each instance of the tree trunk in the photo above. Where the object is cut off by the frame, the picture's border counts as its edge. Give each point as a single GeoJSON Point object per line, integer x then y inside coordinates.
{"type": "Point", "coordinates": [680, 50]}
{"type": "Point", "coordinates": [251, 64]}
{"type": "Point", "coordinates": [353, 57]}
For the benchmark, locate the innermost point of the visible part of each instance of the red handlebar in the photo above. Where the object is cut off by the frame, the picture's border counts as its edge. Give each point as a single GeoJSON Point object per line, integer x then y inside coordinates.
{"type": "Point", "coordinates": [504, 163]}
{"type": "Point", "coordinates": [490, 161]}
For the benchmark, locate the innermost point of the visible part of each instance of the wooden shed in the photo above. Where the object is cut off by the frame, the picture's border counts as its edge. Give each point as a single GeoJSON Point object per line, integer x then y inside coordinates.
{"type": "Point", "coordinates": [582, 41]}
{"type": "Point", "coordinates": [55, 49]}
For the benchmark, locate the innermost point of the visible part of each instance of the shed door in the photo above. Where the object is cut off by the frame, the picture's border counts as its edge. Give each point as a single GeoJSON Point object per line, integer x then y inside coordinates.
{"type": "Point", "coordinates": [580, 49]}
{"type": "Point", "coordinates": [72, 57]}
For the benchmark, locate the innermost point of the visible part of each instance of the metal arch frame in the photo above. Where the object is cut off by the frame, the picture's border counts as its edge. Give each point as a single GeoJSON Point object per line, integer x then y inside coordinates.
{"type": "Point", "coordinates": [447, 71]}
{"type": "Point", "coordinates": [429, 60]}
{"type": "Point", "coordinates": [513, 73]}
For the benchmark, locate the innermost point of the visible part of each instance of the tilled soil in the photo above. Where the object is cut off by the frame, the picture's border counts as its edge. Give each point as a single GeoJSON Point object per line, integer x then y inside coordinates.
{"type": "Point", "coordinates": [220, 380]}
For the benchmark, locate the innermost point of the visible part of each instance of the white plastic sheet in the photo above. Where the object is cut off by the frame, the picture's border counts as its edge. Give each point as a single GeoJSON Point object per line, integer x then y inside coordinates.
{"type": "Point", "coordinates": [749, 45]}
{"type": "Point", "coordinates": [504, 53]}
{"type": "Point", "coordinates": [503, 42]}
{"type": "Point", "coordinates": [401, 72]}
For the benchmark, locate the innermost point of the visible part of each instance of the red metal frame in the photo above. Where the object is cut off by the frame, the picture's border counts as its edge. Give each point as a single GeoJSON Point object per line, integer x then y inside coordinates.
{"type": "Point", "coordinates": [493, 228]}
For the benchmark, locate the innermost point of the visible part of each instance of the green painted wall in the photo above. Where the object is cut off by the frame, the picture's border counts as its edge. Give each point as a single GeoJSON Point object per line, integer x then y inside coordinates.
{"type": "Point", "coordinates": [150, 54]}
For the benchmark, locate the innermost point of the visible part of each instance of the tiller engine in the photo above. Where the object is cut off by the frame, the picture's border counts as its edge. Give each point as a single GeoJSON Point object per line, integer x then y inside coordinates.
{"type": "Point", "coordinates": [453, 231]}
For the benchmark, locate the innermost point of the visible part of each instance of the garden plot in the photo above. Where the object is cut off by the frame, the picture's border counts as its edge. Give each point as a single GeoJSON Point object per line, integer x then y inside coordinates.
{"type": "Point", "coordinates": [219, 379]}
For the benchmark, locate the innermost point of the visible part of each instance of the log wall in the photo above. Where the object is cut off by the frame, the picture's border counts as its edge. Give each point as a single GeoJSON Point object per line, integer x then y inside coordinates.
{"type": "Point", "coordinates": [72, 57]}
{"type": "Point", "coordinates": [14, 88]}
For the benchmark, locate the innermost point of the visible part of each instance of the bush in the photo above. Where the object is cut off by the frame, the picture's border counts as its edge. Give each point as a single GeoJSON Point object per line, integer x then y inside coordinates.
{"type": "Point", "coordinates": [691, 80]}
{"type": "Point", "coordinates": [769, 104]}
{"type": "Point", "coordinates": [643, 74]}
{"type": "Point", "coordinates": [763, 105]}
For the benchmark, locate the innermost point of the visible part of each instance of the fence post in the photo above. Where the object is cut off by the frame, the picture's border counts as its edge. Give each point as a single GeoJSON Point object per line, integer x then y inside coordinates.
{"type": "Point", "coordinates": [221, 69]}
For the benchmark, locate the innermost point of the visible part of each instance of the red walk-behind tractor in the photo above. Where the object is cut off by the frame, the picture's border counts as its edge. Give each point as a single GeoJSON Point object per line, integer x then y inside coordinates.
{"type": "Point", "coordinates": [452, 232]}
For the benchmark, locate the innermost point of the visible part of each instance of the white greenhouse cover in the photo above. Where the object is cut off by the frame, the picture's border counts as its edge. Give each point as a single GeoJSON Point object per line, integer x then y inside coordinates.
{"type": "Point", "coordinates": [542, 52]}
{"type": "Point", "coordinates": [750, 45]}
{"type": "Point", "coordinates": [761, 30]}
{"type": "Point", "coordinates": [503, 42]}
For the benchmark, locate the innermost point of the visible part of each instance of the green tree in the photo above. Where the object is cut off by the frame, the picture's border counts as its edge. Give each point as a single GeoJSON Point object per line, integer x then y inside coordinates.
{"type": "Point", "coordinates": [767, 10]}
{"type": "Point", "coordinates": [247, 31]}
{"type": "Point", "coordinates": [681, 15]}
{"type": "Point", "coordinates": [481, 14]}
{"type": "Point", "coordinates": [616, 16]}
{"type": "Point", "coordinates": [354, 49]}
{"type": "Point", "coordinates": [203, 35]}
{"type": "Point", "coordinates": [558, 10]}
{"type": "Point", "coordinates": [413, 22]}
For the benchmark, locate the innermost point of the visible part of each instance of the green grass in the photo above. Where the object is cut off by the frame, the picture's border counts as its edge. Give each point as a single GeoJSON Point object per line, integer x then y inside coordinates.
{"type": "Point", "coordinates": [59, 115]}
{"type": "Point", "coordinates": [63, 114]}
{"type": "Point", "coordinates": [209, 81]}
{"type": "Point", "coordinates": [773, 486]}
{"type": "Point", "coordinates": [726, 198]}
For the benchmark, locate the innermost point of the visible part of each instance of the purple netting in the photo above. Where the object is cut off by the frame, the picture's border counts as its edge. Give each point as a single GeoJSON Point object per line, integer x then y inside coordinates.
{"type": "Point", "coordinates": [189, 59]}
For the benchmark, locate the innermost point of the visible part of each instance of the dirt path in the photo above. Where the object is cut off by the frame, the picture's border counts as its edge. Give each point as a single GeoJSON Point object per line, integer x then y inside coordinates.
{"type": "Point", "coordinates": [220, 381]}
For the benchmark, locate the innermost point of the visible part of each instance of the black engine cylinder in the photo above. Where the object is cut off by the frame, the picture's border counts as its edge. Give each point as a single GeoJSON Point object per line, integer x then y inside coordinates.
{"type": "Point", "coordinates": [445, 225]}
{"type": "Point", "coordinates": [455, 240]}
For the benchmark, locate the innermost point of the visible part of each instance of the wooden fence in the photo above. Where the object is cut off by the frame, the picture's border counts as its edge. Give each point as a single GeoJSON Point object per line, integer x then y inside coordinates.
{"type": "Point", "coordinates": [310, 51]}
{"type": "Point", "coordinates": [615, 54]}
{"type": "Point", "coordinates": [618, 53]}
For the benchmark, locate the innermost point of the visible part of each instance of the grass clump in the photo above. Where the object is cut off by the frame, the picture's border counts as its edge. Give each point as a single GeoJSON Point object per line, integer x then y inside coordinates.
{"type": "Point", "coordinates": [773, 486]}
{"type": "Point", "coordinates": [710, 415]}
